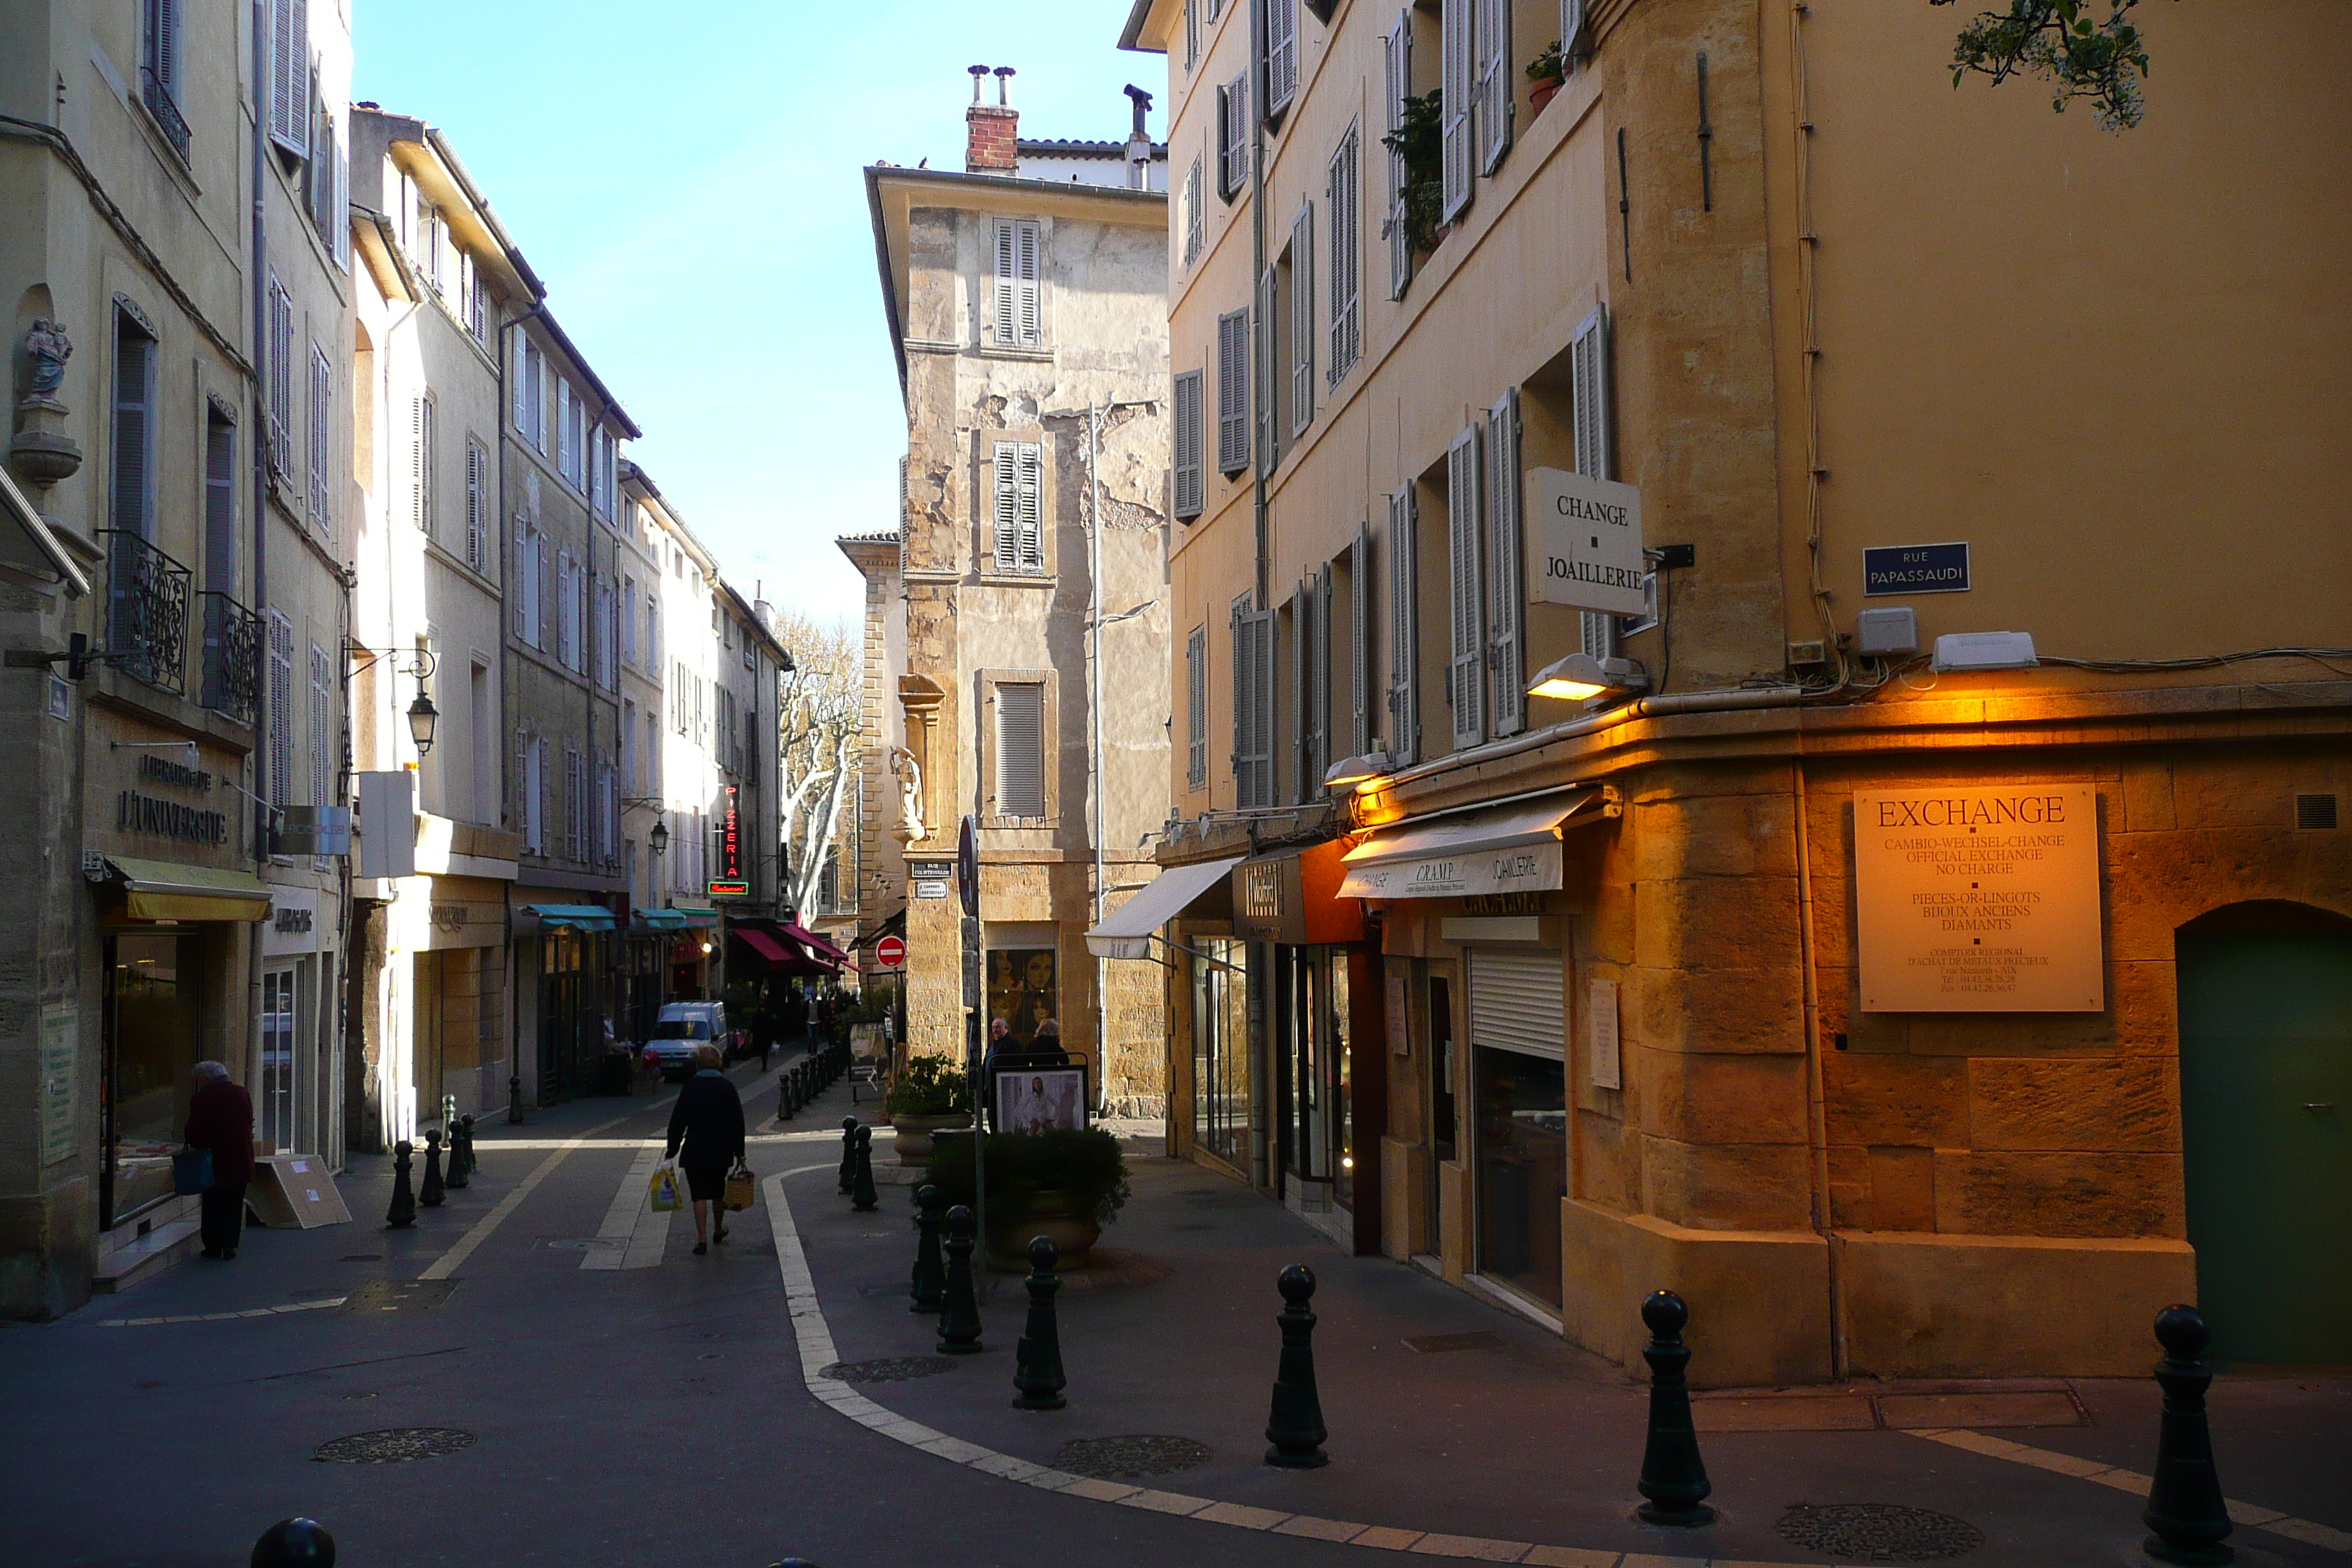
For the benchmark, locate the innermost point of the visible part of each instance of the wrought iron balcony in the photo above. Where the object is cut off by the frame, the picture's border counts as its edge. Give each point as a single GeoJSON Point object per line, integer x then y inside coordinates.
{"type": "Point", "coordinates": [166, 110]}
{"type": "Point", "coordinates": [232, 657]}
{"type": "Point", "coordinates": [146, 611]}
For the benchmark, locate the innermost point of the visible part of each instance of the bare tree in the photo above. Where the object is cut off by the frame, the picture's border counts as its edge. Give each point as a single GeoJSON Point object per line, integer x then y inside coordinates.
{"type": "Point", "coordinates": [820, 745]}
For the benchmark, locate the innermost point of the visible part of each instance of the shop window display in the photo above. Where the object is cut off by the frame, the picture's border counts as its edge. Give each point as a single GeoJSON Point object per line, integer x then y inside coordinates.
{"type": "Point", "coordinates": [1522, 1160]}
{"type": "Point", "coordinates": [151, 1045]}
{"type": "Point", "coordinates": [1022, 991]}
{"type": "Point", "coordinates": [1221, 1077]}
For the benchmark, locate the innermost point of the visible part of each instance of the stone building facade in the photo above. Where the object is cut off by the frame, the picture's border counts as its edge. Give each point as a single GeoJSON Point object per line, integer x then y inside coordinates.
{"type": "Point", "coordinates": [1900, 1000]}
{"type": "Point", "coordinates": [1024, 599]}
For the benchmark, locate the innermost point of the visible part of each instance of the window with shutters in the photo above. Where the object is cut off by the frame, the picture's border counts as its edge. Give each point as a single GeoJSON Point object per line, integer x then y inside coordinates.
{"type": "Point", "coordinates": [478, 507]}
{"type": "Point", "coordinates": [1397, 64]}
{"type": "Point", "coordinates": [322, 728]}
{"type": "Point", "coordinates": [566, 454]}
{"type": "Point", "coordinates": [1506, 564]}
{"type": "Point", "coordinates": [1278, 58]}
{"type": "Point", "coordinates": [628, 619]}
{"type": "Point", "coordinates": [1253, 713]}
{"type": "Point", "coordinates": [605, 675]}
{"type": "Point", "coordinates": [1190, 436]}
{"type": "Point", "coordinates": [1300, 302]}
{"type": "Point", "coordinates": [280, 372]}
{"type": "Point", "coordinates": [1016, 483]}
{"type": "Point", "coordinates": [420, 464]}
{"type": "Point", "coordinates": [323, 179]}
{"type": "Point", "coordinates": [322, 400]}
{"type": "Point", "coordinates": [1266, 367]}
{"type": "Point", "coordinates": [1191, 34]}
{"type": "Point", "coordinates": [1518, 1001]}
{"type": "Point", "coordinates": [1466, 590]}
{"type": "Point", "coordinates": [1457, 87]}
{"type": "Point", "coordinates": [1345, 285]}
{"type": "Point", "coordinates": [1196, 709]}
{"type": "Point", "coordinates": [1493, 89]}
{"type": "Point", "coordinates": [1590, 391]}
{"type": "Point", "coordinates": [1232, 137]}
{"type": "Point", "coordinates": [525, 592]}
{"type": "Point", "coordinates": [1019, 764]}
{"type": "Point", "coordinates": [159, 69]}
{"type": "Point", "coordinates": [1018, 308]}
{"type": "Point", "coordinates": [1575, 31]}
{"type": "Point", "coordinates": [1310, 670]}
{"type": "Point", "coordinates": [132, 485]}
{"type": "Point", "coordinates": [534, 394]}
{"type": "Point", "coordinates": [289, 76]}
{"type": "Point", "coordinates": [575, 815]}
{"type": "Point", "coordinates": [221, 543]}
{"type": "Point", "coordinates": [1359, 640]}
{"type": "Point", "coordinates": [1196, 215]}
{"type": "Point", "coordinates": [1234, 373]}
{"type": "Point", "coordinates": [280, 719]}
{"type": "Point", "coordinates": [1404, 627]}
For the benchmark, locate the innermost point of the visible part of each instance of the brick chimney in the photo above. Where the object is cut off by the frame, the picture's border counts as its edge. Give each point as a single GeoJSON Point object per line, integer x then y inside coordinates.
{"type": "Point", "coordinates": [990, 128]}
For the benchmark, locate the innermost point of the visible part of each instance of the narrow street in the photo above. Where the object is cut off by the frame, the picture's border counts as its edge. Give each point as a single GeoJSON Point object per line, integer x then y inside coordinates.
{"type": "Point", "coordinates": [624, 1401]}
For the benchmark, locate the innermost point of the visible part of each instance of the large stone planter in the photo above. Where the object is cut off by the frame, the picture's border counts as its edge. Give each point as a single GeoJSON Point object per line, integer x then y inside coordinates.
{"type": "Point", "coordinates": [913, 1143]}
{"type": "Point", "coordinates": [1059, 1217]}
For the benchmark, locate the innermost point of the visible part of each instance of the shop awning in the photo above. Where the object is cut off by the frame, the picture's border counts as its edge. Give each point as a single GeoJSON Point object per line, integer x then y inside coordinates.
{"type": "Point", "coordinates": [1501, 850]}
{"type": "Point", "coordinates": [1127, 931]}
{"type": "Point", "coordinates": [660, 919]}
{"type": "Point", "coordinates": [577, 917]}
{"type": "Point", "coordinates": [771, 948]}
{"type": "Point", "coordinates": [167, 891]}
{"type": "Point", "coordinates": [700, 919]}
{"type": "Point", "coordinates": [818, 948]}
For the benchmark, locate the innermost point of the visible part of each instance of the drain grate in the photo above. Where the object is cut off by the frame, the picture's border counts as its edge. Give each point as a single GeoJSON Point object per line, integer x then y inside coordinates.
{"type": "Point", "coordinates": [1439, 1344]}
{"type": "Point", "coordinates": [889, 1369]}
{"type": "Point", "coordinates": [1878, 1532]}
{"type": "Point", "coordinates": [399, 1296]}
{"type": "Point", "coordinates": [393, 1446]}
{"type": "Point", "coordinates": [1130, 1459]}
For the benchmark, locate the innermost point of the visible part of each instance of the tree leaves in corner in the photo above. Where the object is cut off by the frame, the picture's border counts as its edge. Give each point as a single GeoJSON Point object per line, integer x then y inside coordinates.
{"type": "Point", "coordinates": [2102, 59]}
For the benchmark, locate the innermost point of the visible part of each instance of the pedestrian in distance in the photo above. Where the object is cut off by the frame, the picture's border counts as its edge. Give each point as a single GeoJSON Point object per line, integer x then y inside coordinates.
{"type": "Point", "coordinates": [763, 1031]}
{"type": "Point", "coordinates": [706, 1125]}
{"type": "Point", "coordinates": [220, 1121]}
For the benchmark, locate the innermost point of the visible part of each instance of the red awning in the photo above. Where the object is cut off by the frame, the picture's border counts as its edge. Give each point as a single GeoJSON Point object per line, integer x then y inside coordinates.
{"type": "Point", "coordinates": [819, 949]}
{"type": "Point", "coordinates": [766, 946]}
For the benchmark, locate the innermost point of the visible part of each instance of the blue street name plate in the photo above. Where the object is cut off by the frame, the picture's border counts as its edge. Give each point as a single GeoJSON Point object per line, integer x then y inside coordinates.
{"type": "Point", "coordinates": [1916, 569]}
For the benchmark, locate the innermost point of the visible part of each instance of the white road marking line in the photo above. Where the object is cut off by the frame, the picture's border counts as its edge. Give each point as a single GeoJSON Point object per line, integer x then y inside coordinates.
{"type": "Point", "coordinates": [446, 1264]}
{"type": "Point", "coordinates": [215, 1316]}
{"type": "Point", "coordinates": [630, 1217]}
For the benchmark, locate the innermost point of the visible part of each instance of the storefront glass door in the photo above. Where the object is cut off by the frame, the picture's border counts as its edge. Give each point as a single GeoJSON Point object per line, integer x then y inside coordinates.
{"type": "Point", "coordinates": [274, 1099]}
{"type": "Point", "coordinates": [1320, 1141]}
{"type": "Point", "coordinates": [152, 1043]}
{"type": "Point", "coordinates": [1220, 1066]}
{"type": "Point", "coordinates": [1519, 1094]}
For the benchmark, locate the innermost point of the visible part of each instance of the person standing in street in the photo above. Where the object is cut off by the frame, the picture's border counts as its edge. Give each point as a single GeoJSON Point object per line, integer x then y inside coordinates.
{"type": "Point", "coordinates": [220, 1121]}
{"type": "Point", "coordinates": [707, 1125]}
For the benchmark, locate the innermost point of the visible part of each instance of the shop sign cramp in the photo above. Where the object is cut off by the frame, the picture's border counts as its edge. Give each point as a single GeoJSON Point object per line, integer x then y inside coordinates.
{"type": "Point", "coordinates": [1524, 868]}
{"type": "Point", "coordinates": [1979, 900]}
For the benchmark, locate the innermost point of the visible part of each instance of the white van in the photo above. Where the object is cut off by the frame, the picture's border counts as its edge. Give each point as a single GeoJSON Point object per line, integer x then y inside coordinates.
{"type": "Point", "coordinates": [679, 1030]}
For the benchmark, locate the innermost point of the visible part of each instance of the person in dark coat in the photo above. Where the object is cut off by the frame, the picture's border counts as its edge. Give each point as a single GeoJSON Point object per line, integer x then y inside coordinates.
{"type": "Point", "coordinates": [220, 1121]}
{"type": "Point", "coordinates": [707, 1123]}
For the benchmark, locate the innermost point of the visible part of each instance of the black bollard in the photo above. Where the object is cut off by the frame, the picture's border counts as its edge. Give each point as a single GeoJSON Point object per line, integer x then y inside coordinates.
{"type": "Point", "coordinates": [862, 1196]}
{"type": "Point", "coordinates": [465, 1123]}
{"type": "Point", "coordinates": [784, 1106]}
{"type": "Point", "coordinates": [1294, 1424]}
{"type": "Point", "coordinates": [849, 1152]}
{"type": "Point", "coordinates": [958, 1308]}
{"type": "Point", "coordinates": [1038, 1360]}
{"type": "Point", "coordinates": [514, 1101]}
{"type": "Point", "coordinates": [431, 1193]}
{"type": "Point", "coordinates": [403, 1213]}
{"type": "Point", "coordinates": [2184, 1501]}
{"type": "Point", "coordinates": [1673, 1476]}
{"type": "Point", "coordinates": [294, 1544]}
{"type": "Point", "coordinates": [461, 1156]}
{"type": "Point", "coordinates": [929, 1282]}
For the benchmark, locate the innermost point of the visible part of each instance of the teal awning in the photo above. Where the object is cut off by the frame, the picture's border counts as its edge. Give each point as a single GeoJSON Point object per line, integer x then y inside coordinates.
{"type": "Point", "coordinates": [662, 919]}
{"type": "Point", "coordinates": [700, 919]}
{"type": "Point", "coordinates": [579, 917]}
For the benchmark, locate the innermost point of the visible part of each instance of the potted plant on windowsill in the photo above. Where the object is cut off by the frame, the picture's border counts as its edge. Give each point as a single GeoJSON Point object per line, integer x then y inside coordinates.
{"type": "Point", "coordinates": [1066, 1186]}
{"type": "Point", "coordinates": [1549, 73]}
{"type": "Point", "coordinates": [1419, 141]}
{"type": "Point", "coordinates": [929, 1095]}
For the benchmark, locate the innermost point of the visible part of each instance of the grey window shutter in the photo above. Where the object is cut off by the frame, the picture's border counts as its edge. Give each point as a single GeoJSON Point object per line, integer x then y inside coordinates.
{"type": "Point", "coordinates": [1028, 288]}
{"type": "Point", "coordinates": [1589, 384]}
{"type": "Point", "coordinates": [1457, 85]}
{"type": "Point", "coordinates": [1232, 136]}
{"type": "Point", "coordinates": [1224, 144]}
{"type": "Point", "coordinates": [1196, 709]}
{"type": "Point", "coordinates": [1346, 251]}
{"type": "Point", "coordinates": [1189, 433]}
{"type": "Point", "coordinates": [1302, 320]}
{"type": "Point", "coordinates": [1264, 697]}
{"type": "Point", "coordinates": [1241, 658]}
{"type": "Point", "coordinates": [1494, 99]}
{"type": "Point", "coordinates": [1021, 749]}
{"type": "Point", "coordinates": [1466, 667]}
{"type": "Point", "coordinates": [1281, 63]}
{"type": "Point", "coordinates": [1573, 27]}
{"type": "Point", "coordinates": [1359, 638]}
{"type": "Point", "coordinates": [1005, 488]}
{"type": "Point", "coordinates": [1196, 217]}
{"type": "Point", "coordinates": [1397, 57]}
{"type": "Point", "coordinates": [134, 419]}
{"type": "Point", "coordinates": [220, 507]}
{"type": "Point", "coordinates": [1233, 392]}
{"type": "Point", "coordinates": [1191, 34]}
{"type": "Point", "coordinates": [420, 474]}
{"type": "Point", "coordinates": [1505, 566]}
{"type": "Point", "coordinates": [1265, 354]}
{"type": "Point", "coordinates": [1318, 686]}
{"type": "Point", "coordinates": [1029, 457]}
{"type": "Point", "coordinates": [1404, 628]}
{"type": "Point", "coordinates": [282, 70]}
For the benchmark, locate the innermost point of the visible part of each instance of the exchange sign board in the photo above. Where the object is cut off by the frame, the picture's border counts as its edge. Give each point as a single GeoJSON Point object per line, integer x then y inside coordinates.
{"type": "Point", "coordinates": [1587, 543]}
{"type": "Point", "coordinates": [1979, 900]}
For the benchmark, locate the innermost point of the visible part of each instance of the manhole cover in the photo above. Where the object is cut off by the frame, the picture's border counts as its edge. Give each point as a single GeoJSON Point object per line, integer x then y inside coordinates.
{"type": "Point", "coordinates": [889, 1369]}
{"type": "Point", "coordinates": [1439, 1344]}
{"type": "Point", "coordinates": [393, 1446]}
{"type": "Point", "coordinates": [399, 1296]}
{"type": "Point", "coordinates": [1878, 1532]}
{"type": "Point", "coordinates": [1127, 1459]}
{"type": "Point", "coordinates": [583, 1243]}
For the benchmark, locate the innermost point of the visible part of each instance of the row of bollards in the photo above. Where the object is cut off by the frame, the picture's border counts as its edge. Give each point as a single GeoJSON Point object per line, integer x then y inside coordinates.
{"type": "Point", "coordinates": [432, 1192]}
{"type": "Point", "coordinates": [806, 1078]}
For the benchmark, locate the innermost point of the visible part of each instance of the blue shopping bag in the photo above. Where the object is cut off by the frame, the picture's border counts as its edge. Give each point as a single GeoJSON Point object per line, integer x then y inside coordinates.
{"type": "Point", "coordinates": [192, 1171]}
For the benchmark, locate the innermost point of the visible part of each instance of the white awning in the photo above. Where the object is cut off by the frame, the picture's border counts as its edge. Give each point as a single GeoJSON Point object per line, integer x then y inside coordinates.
{"type": "Point", "coordinates": [1505, 849]}
{"type": "Point", "coordinates": [31, 545]}
{"type": "Point", "coordinates": [1127, 931]}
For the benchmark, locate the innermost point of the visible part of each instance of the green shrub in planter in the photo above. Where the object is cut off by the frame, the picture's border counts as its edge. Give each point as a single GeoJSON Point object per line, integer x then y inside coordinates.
{"type": "Point", "coordinates": [1089, 1167]}
{"type": "Point", "coordinates": [929, 1086]}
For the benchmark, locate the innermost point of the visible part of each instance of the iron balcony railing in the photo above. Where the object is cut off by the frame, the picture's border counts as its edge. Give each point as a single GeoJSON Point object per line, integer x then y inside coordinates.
{"type": "Point", "coordinates": [166, 110]}
{"type": "Point", "coordinates": [146, 611]}
{"type": "Point", "coordinates": [232, 657]}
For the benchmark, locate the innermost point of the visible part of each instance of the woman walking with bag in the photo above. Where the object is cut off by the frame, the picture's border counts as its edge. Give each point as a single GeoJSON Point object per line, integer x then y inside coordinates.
{"type": "Point", "coordinates": [220, 1121]}
{"type": "Point", "coordinates": [707, 1123]}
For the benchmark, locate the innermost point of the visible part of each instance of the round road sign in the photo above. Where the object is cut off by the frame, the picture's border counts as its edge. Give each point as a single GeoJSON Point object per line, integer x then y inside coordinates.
{"type": "Point", "coordinates": [890, 951]}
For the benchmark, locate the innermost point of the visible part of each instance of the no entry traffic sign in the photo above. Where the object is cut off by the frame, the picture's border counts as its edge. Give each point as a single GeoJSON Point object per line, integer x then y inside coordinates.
{"type": "Point", "coordinates": [890, 951]}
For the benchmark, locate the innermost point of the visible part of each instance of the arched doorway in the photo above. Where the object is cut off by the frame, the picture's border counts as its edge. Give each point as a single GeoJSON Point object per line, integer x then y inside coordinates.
{"type": "Point", "coordinates": [2266, 1127]}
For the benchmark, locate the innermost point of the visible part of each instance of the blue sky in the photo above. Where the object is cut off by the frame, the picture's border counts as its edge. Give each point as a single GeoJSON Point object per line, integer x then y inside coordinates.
{"type": "Point", "coordinates": [686, 179]}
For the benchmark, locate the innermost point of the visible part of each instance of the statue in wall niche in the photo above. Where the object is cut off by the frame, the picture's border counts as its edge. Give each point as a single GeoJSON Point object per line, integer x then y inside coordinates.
{"type": "Point", "coordinates": [49, 348]}
{"type": "Point", "coordinates": [910, 829]}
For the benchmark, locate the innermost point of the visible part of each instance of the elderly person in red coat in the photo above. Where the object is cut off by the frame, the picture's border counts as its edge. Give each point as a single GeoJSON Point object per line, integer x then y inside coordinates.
{"type": "Point", "coordinates": [220, 1120]}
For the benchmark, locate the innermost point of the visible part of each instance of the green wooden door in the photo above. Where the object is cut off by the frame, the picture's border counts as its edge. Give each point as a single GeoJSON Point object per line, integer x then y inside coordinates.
{"type": "Point", "coordinates": [2266, 1128]}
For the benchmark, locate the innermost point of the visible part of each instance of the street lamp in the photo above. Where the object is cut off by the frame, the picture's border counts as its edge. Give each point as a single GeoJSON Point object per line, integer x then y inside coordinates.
{"type": "Point", "coordinates": [422, 715]}
{"type": "Point", "coordinates": [1580, 676]}
{"type": "Point", "coordinates": [658, 839]}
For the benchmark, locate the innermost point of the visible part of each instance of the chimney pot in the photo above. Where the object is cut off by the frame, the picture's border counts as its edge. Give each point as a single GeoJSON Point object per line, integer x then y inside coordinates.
{"type": "Point", "coordinates": [990, 129]}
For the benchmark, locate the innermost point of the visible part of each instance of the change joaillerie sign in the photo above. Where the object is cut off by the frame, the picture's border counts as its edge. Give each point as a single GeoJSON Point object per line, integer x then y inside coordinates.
{"type": "Point", "coordinates": [1979, 900]}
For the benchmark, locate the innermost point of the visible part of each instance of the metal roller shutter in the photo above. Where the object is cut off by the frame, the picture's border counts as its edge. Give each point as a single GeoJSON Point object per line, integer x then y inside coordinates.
{"type": "Point", "coordinates": [1518, 1001]}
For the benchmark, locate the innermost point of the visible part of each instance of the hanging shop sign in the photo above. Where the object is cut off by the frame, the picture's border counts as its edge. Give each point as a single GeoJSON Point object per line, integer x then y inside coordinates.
{"type": "Point", "coordinates": [1916, 569]}
{"type": "Point", "coordinates": [1979, 900]}
{"type": "Point", "coordinates": [1588, 541]}
{"type": "Point", "coordinates": [730, 881]}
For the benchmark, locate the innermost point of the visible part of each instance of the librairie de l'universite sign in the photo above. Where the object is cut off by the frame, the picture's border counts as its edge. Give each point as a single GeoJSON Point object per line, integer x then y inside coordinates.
{"type": "Point", "coordinates": [1979, 900]}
